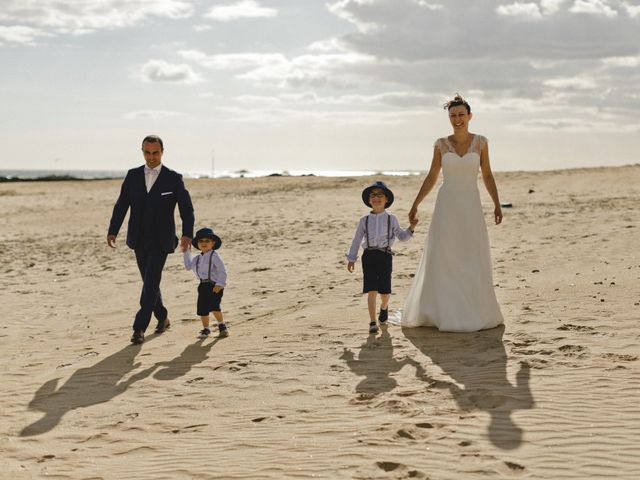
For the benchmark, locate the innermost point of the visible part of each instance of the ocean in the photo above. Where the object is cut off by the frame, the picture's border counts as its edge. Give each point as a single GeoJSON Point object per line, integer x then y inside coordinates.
{"type": "Point", "coordinates": [33, 175]}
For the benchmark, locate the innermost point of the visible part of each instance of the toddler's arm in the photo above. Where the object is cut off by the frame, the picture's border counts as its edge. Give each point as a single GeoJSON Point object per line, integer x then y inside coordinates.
{"type": "Point", "coordinates": [188, 260]}
{"type": "Point", "coordinates": [352, 256]}
{"type": "Point", "coordinates": [403, 234]}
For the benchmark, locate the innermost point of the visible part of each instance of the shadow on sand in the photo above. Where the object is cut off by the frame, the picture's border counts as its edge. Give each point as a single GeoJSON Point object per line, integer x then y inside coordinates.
{"type": "Point", "coordinates": [476, 363]}
{"type": "Point", "coordinates": [104, 381]}
{"type": "Point", "coordinates": [192, 355]}
{"type": "Point", "coordinates": [376, 363]}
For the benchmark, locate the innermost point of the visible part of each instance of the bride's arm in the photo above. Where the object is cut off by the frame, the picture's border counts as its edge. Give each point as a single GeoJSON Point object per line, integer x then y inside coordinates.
{"type": "Point", "coordinates": [490, 183]}
{"type": "Point", "coordinates": [428, 184]}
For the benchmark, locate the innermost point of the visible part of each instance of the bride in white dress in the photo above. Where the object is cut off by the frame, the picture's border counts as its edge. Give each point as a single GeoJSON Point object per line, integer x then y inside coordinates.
{"type": "Point", "coordinates": [453, 287]}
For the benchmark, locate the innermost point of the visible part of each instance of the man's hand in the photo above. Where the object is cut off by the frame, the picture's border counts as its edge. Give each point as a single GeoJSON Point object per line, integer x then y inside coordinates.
{"type": "Point", "coordinates": [111, 241]}
{"type": "Point", "coordinates": [217, 289]}
{"type": "Point", "coordinates": [185, 244]}
{"type": "Point", "coordinates": [350, 266]}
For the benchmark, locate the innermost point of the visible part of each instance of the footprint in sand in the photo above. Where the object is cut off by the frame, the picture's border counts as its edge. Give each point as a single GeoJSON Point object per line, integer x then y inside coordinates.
{"type": "Point", "coordinates": [620, 358]}
{"type": "Point", "coordinates": [197, 379]}
{"type": "Point", "coordinates": [576, 328]}
{"type": "Point", "coordinates": [400, 469]}
{"type": "Point", "coordinates": [262, 419]}
{"type": "Point", "coordinates": [190, 428]}
{"type": "Point", "coordinates": [418, 431]}
{"type": "Point", "coordinates": [573, 350]}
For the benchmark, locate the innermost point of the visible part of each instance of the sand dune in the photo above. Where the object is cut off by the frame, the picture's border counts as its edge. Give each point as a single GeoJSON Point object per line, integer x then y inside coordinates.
{"type": "Point", "coordinates": [300, 390]}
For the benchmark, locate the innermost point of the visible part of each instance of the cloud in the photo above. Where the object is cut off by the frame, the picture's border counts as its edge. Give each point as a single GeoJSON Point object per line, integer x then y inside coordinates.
{"type": "Point", "coordinates": [527, 56]}
{"type": "Point", "coordinates": [275, 69]}
{"type": "Point", "coordinates": [632, 10]}
{"type": "Point", "coordinates": [370, 15]}
{"type": "Point", "coordinates": [573, 125]}
{"type": "Point", "coordinates": [152, 114]}
{"type": "Point", "coordinates": [403, 30]}
{"type": "Point", "coordinates": [20, 35]}
{"type": "Point", "coordinates": [239, 10]}
{"type": "Point", "coordinates": [234, 61]}
{"type": "Point", "coordinates": [622, 61]}
{"type": "Point", "coordinates": [274, 115]}
{"type": "Point", "coordinates": [523, 10]}
{"type": "Point", "coordinates": [549, 7]}
{"type": "Point", "coordinates": [164, 72]}
{"type": "Point", "coordinates": [85, 16]}
{"type": "Point", "coordinates": [593, 7]}
{"type": "Point", "coordinates": [574, 83]}
{"type": "Point", "coordinates": [380, 101]}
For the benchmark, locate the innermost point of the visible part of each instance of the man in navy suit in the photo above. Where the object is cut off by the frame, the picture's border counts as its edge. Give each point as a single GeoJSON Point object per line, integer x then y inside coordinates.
{"type": "Point", "coordinates": [151, 192]}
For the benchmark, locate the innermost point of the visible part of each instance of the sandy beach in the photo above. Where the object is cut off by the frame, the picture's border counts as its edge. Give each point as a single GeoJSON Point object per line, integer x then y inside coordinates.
{"type": "Point", "coordinates": [300, 390]}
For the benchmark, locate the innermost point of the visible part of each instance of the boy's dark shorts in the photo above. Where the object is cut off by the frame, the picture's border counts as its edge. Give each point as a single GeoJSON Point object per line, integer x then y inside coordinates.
{"type": "Point", "coordinates": [207, 300]}
{"type": "Point", "coordinates": [377, 266]}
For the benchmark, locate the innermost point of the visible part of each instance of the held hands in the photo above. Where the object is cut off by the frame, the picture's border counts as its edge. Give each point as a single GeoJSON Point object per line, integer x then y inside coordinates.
{"type": "Point", "coordinates": [350, 266]}
{"type": "Point", "coordinates": [185, 244]}
{"type": "Point", "coordinates": [111, 241]}
{"type": "Point", "coordinates": [413, 216]}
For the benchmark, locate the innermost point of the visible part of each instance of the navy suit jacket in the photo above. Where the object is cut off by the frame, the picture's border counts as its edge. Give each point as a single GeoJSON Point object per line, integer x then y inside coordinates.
{"type": "Point", "coordinates": [151, 220]}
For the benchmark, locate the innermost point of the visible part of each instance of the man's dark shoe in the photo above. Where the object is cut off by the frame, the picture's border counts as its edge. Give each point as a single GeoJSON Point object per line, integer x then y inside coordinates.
{"type": "Point", "coordinates": [138, 337]}
{"type": "Point", "coordinates": [163, 325]}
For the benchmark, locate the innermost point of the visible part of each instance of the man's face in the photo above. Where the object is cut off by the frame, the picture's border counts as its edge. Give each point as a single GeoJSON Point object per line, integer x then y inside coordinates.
{"type": "Point", "coordinates": [152, 152]}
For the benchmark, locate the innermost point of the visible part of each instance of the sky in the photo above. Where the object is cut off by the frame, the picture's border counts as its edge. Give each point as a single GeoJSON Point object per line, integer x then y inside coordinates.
{"type": "Point", "coordinates": [316, 84]}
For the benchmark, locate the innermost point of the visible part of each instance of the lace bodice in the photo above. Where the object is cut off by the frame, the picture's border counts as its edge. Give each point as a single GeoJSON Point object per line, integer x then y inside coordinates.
{"type": "Point", "coordinates": [477, 144]}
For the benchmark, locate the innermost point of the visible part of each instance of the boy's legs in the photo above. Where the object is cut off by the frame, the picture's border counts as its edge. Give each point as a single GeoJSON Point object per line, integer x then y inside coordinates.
{"type": "Point", "coordinates": [384, 308]}
{"type": "Point", "coordinates": [206, 331]}
{"type": "Point", "coordinates": [204, 307]}
{"type": "Point", "coordinates": [217, 313]}
{"type": "Point", "coordinates": [370, 285]}
{"type": "Point", "coordinates": [371, 303]}
{"type": "Point", "coordinates": [384, 286]}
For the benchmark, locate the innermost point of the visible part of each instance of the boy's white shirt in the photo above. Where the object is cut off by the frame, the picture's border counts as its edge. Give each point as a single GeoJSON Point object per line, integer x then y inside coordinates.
{"type": "Point", "coordinates": [218, 272]}
{"type": "Point", "coordinates": [377, 233]}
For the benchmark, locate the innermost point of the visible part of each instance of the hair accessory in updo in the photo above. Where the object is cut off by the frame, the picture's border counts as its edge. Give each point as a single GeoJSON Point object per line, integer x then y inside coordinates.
{"type": "Point", "coordinates": [457, 100]}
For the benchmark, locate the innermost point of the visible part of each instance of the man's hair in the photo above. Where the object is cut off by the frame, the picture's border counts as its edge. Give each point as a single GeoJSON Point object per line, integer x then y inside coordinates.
{"type": "Point", "coordinates": [153, 139]}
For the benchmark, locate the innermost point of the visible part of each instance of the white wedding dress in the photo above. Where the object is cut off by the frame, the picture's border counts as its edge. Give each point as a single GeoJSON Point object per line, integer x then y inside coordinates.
{"type": "Point", "coordinates": [453, 287]}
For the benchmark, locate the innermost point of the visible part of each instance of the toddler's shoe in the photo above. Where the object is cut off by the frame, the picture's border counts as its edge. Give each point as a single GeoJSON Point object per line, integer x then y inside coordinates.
{"type": "Point", "coordinates": [204, 333]}
{"type": "Point", "coordinates": [383, 316]}
{"type": "Point", "coordinates": [223, 331]}
{"type": "Point", "coordinates": [373, 327]}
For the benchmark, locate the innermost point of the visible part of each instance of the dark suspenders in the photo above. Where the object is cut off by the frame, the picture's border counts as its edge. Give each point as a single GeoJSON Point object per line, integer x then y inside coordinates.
{"type": "Point", "coordinates": [366, 233]}
{"type": "Point", "coordinates": [208, 280]}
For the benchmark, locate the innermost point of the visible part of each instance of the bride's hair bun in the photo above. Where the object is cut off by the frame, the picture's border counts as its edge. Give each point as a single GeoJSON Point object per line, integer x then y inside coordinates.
{"type": "Point", "coordinates": [457, 100]}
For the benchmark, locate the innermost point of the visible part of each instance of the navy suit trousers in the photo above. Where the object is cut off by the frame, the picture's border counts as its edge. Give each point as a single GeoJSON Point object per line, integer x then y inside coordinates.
{"type": "Point", "coordinates": [150, 264]}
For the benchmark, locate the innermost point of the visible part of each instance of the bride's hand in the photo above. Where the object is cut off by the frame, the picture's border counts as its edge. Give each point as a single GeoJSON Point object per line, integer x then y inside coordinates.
{"type": "Point", "coordinates": [497, 213]}
{"type": "Point", "coordinates": [413, 215]}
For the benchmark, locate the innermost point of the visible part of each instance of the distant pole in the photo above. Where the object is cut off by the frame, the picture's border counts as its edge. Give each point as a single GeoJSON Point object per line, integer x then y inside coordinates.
{"type": "Point", "coordinates": [213, 168]}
